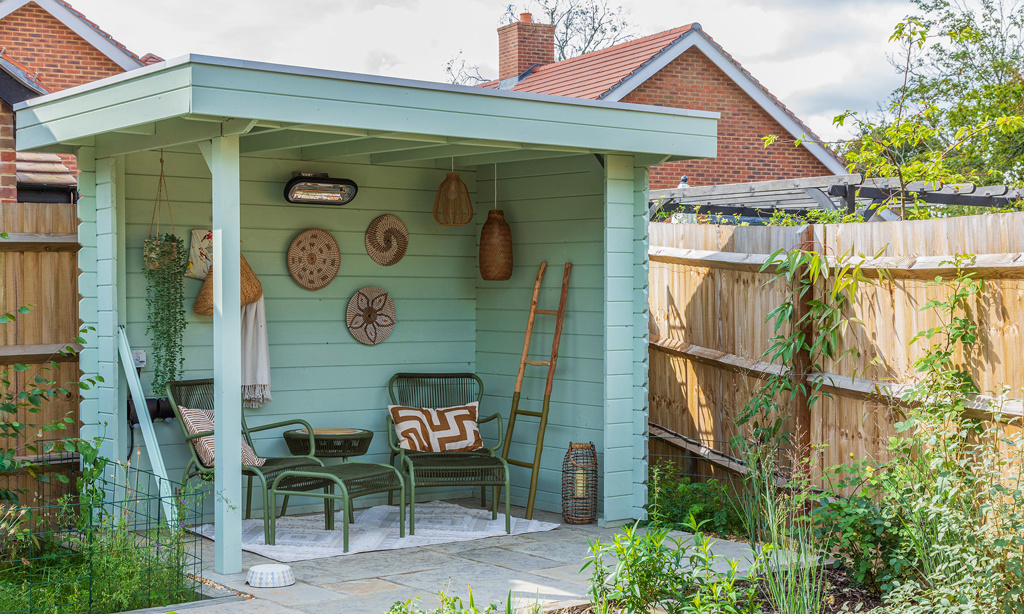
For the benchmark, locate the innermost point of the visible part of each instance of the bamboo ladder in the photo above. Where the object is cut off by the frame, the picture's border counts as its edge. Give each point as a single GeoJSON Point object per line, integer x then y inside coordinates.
{"type": "Point", "coordinates": [550, 364]}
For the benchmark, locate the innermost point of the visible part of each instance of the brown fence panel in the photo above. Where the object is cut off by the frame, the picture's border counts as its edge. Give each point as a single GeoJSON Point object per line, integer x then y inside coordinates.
{"type": "Point", "coordinates": [709, 301]}
{"type": "Point", "coordinates": [39, 269]}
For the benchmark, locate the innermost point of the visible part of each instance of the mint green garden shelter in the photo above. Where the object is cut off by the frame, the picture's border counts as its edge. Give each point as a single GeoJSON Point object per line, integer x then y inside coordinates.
{"type": "Point", "coordinates": [570, 174]}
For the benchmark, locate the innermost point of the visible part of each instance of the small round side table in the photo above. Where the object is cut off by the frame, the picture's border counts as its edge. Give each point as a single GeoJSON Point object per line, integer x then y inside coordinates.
{"type": "Point", "coordinates": [330, 443]}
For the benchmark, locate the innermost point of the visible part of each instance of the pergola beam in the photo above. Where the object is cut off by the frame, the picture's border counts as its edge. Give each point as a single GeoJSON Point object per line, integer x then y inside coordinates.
{"type": "Point", "coordinates": [170, 133]}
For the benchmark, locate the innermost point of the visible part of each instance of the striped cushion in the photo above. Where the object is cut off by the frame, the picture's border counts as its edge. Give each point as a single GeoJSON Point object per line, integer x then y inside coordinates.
{"type": "Point", "coordinates": [448, 429]}
{"type": "Point", "coordinates": [200, 420]}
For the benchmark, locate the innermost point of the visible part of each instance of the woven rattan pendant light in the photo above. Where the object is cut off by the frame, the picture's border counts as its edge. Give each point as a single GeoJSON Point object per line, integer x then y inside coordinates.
{"type": "Point", "coordinates": [496, 242]}
{"type": "Point", "coordinates": [452, 206]}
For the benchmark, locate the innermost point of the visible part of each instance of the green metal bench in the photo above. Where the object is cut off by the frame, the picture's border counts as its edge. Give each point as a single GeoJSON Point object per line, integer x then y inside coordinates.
{"type": "Point", "coordinates": [198, 394]}
{"type": "Point", "coordinates": [483, 467]}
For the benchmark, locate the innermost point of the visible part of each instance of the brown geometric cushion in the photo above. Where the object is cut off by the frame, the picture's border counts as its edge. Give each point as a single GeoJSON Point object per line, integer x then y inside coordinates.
{"type": "Point", "coordinates": [423, 429]}
{"type": "Point", "coordinates": [200, 420]}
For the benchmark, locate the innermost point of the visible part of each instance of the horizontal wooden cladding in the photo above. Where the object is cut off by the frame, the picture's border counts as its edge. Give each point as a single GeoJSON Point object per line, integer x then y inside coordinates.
{"type": "Point", "coordinates": [42, 352]}
{"type": "Point", "coordinates": [40, 242]}
{"type": "Point", "coordinates": [888, 392]}
{"type": "Point", "coordinates": [997, 266]}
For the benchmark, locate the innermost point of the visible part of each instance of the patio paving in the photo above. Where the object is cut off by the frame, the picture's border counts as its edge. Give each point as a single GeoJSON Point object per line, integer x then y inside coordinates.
{"type": "Point", "coordinates": [542, 567]}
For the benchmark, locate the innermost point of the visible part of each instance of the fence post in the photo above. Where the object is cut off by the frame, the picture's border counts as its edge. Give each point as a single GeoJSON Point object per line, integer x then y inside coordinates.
{"type": "Point", "coordinates": [802, 360]}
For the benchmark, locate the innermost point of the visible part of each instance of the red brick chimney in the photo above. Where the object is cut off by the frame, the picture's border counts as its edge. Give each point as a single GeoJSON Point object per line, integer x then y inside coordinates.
{"type": "Point", "coordinates": [522, 44]}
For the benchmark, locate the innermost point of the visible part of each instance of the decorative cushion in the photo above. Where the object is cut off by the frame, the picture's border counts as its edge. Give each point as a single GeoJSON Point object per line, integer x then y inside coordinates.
{"type": "Point", "coordinates": [448, 429]}
{"type": "Point", "coordinates": [201, 420]}
{"type": "Point", "coordinates": [200, 254]}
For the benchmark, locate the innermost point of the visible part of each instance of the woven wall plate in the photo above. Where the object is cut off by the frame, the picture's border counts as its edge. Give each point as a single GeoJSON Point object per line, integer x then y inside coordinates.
{"type": "Point", "coordinates": [371, 315]}
{"type": "Point", "coordinates": [314, 259]}
{"type": "Point", "coordinates": [386, 240]}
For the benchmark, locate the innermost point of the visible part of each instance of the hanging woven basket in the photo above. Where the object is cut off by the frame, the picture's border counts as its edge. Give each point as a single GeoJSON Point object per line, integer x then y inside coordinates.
{"type": "Point", "coordinates": [251, 288]}
{"type": "Point", "coordinates": [496, 247]}
{"type": "Point", "coordinates": [386, 240]}
{"type": "Point", "coordinates": [452, 206]}
{"type": "Point", "coordinates": [370, 316]}
{"type": "Point", "coordinates": [314, 259]}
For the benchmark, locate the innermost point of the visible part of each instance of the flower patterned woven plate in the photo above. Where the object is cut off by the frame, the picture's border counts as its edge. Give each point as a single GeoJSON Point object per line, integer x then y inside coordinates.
{"type": "Point", "coordinates": [314, 259]}
{"type": "Point", "coordinates": [371, 315]}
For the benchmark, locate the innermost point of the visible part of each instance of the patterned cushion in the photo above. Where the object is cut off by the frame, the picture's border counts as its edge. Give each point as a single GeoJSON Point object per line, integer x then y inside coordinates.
{"type": "Point", "coordinates": [200, 420]}
{"type": "Point", "coordinates": [448, 429]}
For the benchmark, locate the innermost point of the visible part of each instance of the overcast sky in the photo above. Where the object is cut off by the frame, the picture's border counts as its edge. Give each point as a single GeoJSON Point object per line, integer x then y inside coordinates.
{"type": "Point", "coordinates": [819, 57]}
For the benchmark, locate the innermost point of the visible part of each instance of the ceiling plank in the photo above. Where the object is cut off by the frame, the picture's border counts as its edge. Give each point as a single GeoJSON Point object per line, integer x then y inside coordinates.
{"type": "Point", "coordinates": [169, 133]}
{"type": "Point", "coordinates": [442, 151]}
{"type": "Point", "coordinates": [502, 157]}
{"type": "Point", "coordinates": [362, 147]}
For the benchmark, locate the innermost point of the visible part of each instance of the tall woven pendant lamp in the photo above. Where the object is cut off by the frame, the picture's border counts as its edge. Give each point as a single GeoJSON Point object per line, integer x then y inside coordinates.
{"type": "Point", "coordinates": [496, 242]}
{"type": "Point", "coordinates": [452, 206]}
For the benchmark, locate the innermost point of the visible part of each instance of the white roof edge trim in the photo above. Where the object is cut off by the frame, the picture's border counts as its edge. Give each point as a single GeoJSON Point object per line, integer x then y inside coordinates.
{"type": "Point", "coordinates": [697, 38]}
{"type": "Point", "coordinates": [361, 78]}
{"type": "Point", "coordinates": [75, 24]}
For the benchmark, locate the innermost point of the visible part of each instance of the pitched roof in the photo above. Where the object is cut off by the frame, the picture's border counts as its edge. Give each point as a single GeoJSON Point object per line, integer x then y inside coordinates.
{"type": "Point", "coordinates": [43, 169]}
{"type": "Point", "coordinates": [27, 82]}
{"type": "Point", "coordinates": [613, 72]}
{"type": "Point", "coordinates": [594, 74]}
{"type": "Point", "coordinates": [82, 26]}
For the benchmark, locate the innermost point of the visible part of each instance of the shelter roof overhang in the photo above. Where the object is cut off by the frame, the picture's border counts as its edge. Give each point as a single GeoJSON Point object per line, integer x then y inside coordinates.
{"type": "Point", "coordinates": [318, 114]}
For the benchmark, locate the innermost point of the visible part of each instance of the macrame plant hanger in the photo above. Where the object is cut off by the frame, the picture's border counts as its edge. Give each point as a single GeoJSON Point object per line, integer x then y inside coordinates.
{"type": "Point", "coordinates": [155, 253]}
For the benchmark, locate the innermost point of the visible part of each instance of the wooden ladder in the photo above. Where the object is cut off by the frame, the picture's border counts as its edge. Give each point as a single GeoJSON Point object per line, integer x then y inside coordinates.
{"type": "Point", "coordinates": [550, 364]}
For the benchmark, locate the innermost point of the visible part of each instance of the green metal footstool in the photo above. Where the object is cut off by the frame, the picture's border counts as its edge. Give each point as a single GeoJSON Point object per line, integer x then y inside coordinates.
{"type": "Point", "coordinates": [350, 479]}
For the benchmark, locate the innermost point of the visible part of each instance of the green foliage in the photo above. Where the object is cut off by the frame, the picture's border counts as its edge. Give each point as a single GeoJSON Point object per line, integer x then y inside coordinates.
{"type": "Point", "coordinates": [675, 500]}
{"type": "Point", "coordinates": [935, 129]}
{"type": "Point", "coordinates": [452, 604]}
{"type": "Point", "coordinates": [19, 407]}
{"type": "Point", "coordinates": [652, 569]}
{"type": "Point", "coordinates": [165, 260]}
{"type": "Point", "coordinates": [91, 559]}
{"type": "Point", "coordinates": [939, 526]}
{"type": "Point", "coordinates": [814, 216]}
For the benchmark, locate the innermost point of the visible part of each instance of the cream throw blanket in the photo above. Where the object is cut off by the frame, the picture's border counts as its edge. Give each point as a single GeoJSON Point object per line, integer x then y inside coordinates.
{"type": "Point", "coordinates": [255, 355]}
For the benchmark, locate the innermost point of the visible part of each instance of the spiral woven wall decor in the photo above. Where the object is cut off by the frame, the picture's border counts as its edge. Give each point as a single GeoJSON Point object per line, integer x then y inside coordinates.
{"type": "Point", "coordinates": [386, 240]}
{"type": "Point", "coordinates": [370, 316]}
{"type": "Point", "coordinates": [314, 259]}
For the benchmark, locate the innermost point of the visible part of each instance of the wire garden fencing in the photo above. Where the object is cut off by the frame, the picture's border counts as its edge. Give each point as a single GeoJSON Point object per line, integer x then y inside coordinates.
{"type": "Point", "coordinates": [103, 546]}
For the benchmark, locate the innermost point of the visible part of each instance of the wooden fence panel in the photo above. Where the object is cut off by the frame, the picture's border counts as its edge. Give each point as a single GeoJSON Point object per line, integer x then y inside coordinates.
{"type": "Point", "coordinates": [39, 269]}
{"type": "Point", "coordinates": [708, 330]}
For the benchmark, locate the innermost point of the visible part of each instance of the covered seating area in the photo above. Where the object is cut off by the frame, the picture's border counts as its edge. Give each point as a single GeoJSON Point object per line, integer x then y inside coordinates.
{"type": "Point", "coordinates": [569, 174]}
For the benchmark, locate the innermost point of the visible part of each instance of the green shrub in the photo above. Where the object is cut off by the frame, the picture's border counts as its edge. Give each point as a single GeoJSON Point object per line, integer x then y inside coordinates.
{"type": "Point", "coordinates": [652, 569]}
{"type": "Point", "coordinates": [673, 500]}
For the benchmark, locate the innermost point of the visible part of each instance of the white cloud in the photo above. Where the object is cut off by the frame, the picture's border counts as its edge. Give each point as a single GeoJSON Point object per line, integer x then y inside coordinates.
{"type": "Point", "coordinates": [817, 56]}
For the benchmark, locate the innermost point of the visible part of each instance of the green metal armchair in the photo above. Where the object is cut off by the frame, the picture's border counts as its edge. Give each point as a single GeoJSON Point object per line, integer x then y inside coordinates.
{"type": "Point", "coordinates": [198, 394]}
{"type": "Point", "coordinates": [484, 467]}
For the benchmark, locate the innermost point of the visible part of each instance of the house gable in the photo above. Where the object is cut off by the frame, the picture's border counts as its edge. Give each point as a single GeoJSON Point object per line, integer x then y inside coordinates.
{"type": "Point", "coordinates": [694, 81]}
{"type": "Point", "coordinates": [60, 54]}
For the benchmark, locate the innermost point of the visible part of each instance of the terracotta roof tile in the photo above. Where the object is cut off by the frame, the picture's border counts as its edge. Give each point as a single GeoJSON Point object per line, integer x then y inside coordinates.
{"type": "Point", "coordinates": [42, 169]}
{"type": "Point", "coordinates": [593, 74]}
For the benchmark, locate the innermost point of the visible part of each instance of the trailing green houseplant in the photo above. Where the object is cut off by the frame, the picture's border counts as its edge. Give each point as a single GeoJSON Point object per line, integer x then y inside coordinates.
{"type": "Point", "coordinates": [165, 260]}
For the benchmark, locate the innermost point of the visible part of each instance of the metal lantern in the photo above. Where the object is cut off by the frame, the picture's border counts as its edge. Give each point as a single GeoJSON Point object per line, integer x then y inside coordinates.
{"type": "Point", "coordinates": [579, 484]}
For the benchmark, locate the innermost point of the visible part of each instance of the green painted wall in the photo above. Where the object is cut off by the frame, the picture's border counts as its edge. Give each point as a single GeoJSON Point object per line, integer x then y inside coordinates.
{"type": "Point", "coordinates": [448, 318]}
{"type": "Point", "coordinates": [319, 372]}
{"type": "Point", "coordinates": [555, 210]}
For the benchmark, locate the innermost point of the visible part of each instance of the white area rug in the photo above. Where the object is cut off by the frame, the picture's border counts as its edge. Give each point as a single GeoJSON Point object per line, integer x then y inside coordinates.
{"type": "Point", "coordinates": [301, 538]}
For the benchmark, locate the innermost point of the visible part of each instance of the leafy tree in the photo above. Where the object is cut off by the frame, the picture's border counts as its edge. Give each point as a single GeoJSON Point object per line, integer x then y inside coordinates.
{"type": "Point", "coordinates": [971, 74]}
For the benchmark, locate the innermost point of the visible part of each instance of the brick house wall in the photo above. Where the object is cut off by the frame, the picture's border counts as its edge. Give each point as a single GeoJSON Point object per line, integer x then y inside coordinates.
{"type": "Point", "coordinates": [60, 57]}
{"type": "Point", "coordinates": [522, 44]}
{"type": "Point", "coordinates": [692, 81]}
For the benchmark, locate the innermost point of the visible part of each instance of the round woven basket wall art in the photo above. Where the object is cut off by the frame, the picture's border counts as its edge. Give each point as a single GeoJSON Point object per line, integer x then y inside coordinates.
{"type": "Point", "coordinates": [371, 315]}
{"type": "Point", "coordinates": [314, 259]}
{"type": "Point", "coordinates": [386, 240]}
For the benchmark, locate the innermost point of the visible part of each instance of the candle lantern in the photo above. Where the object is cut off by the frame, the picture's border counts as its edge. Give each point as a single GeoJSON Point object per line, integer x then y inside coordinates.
{"type": "Point", "coordinates": [579, 484]}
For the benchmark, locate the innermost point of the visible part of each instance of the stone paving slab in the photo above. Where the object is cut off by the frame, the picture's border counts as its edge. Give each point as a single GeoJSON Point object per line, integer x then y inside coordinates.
{"type": "Point", "coordinates": [540, 567]}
